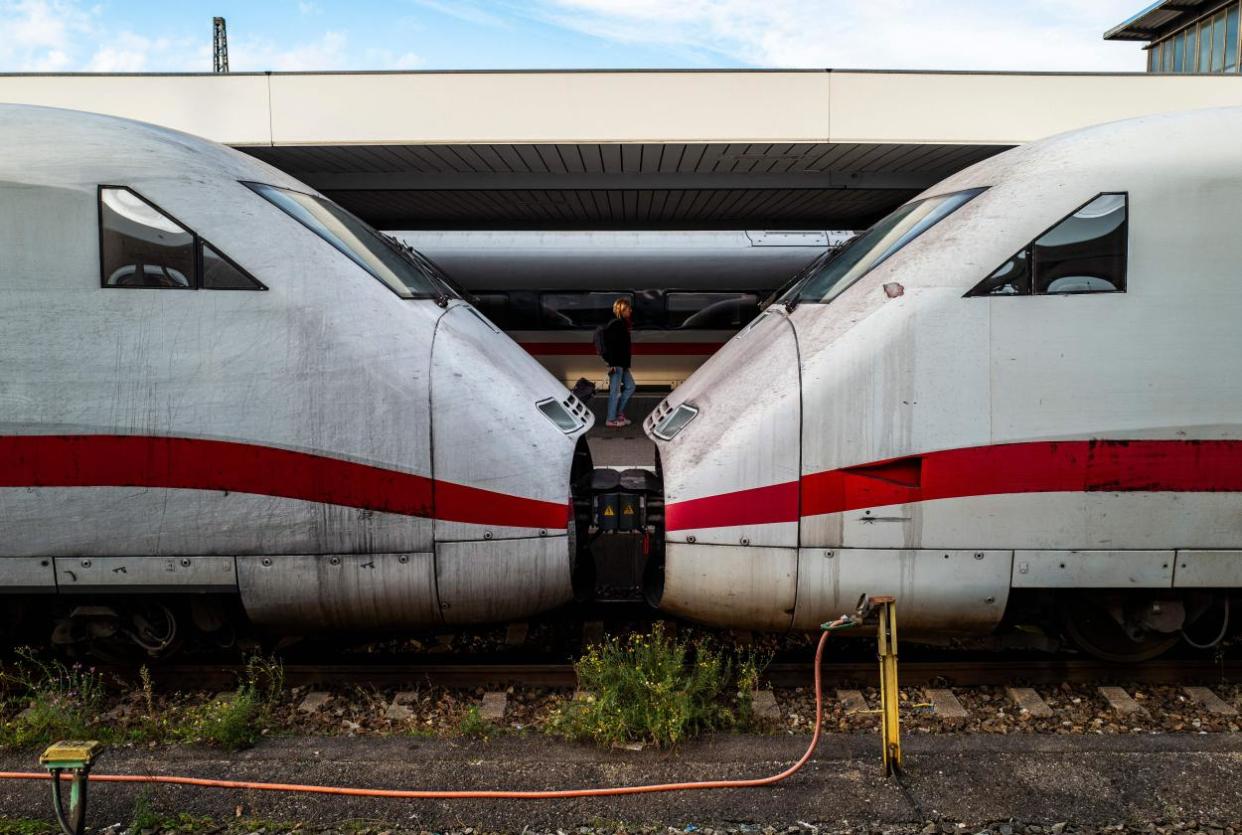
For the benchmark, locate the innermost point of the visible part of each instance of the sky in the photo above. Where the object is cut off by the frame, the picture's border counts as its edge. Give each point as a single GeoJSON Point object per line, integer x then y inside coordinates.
{"type": "Point", "coordinates": [290, 35]}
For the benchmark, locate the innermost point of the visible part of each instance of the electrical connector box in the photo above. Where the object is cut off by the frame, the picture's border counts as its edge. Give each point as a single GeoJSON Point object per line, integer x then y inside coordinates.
{"type": "Point", "coordinates": [71, 754]}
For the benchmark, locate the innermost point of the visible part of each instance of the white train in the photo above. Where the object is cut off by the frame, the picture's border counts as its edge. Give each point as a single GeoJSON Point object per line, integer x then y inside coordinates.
{"type": "Point", "coordinates": [1015, 400]}
{"type": "Point", "coordinates": [218, 387]}
{"type": "Point", "coordinates": [691, 290]}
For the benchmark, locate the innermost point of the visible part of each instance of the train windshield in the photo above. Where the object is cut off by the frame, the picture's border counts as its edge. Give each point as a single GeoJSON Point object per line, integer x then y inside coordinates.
{"type": "Point", "coordinates": [381, 257]}
{"type": "Point", "coordinates": [831, 276]}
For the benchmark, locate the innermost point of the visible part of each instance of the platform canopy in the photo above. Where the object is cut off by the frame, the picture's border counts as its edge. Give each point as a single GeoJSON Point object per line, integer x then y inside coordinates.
{"type": "Point", "coordinates": [1156, 19]}
{"type": "Point", "coordinates": [822, 149]}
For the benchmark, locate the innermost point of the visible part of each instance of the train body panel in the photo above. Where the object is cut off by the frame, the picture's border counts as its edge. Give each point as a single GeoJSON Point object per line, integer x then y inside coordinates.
{"type": "Point", "coordinates": [755, 407]}
{"type": "Point", "coordinates": [1075, 403]}
{"type": "Point", "coordinates": [752, 586]}
{"type": "Point", "coordinates": [472, 390]}
{"type": "Point", "coordinates": [297, 420]}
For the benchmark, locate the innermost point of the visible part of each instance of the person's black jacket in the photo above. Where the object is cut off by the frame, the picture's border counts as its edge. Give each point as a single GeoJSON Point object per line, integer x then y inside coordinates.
{"type": "Point", "coordinates": [617, 343]}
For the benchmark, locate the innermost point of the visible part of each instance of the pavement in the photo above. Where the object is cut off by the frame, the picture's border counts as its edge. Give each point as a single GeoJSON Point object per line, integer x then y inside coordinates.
{"type": "Point", "coordinates": [1085, 780]}
{"type": "Point", "coordinates": [628, 446]}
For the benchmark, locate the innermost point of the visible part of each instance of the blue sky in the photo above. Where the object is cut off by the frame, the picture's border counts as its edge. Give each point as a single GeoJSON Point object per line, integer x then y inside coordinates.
{"type": "Point", "coordinates": [175, 35]}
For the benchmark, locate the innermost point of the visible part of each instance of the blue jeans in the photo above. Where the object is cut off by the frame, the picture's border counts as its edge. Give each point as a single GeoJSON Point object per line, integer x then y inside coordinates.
{"type": "Point", "coordinates": [620, 390]}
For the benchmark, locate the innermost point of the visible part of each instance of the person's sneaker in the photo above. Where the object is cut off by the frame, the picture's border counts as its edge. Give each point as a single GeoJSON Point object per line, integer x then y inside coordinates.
{"type": "Point", "coordinates": [615, 424]}
{"type": "Point", "coordinates": [624, 420]}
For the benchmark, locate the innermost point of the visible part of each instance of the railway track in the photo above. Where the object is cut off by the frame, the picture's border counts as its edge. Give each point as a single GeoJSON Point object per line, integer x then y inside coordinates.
{"type": "Point", "coordinates": [781, 674]}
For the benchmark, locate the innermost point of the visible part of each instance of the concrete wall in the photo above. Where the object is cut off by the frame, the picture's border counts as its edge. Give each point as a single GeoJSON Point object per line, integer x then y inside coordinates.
{"type": "Point", "coordinates": [569, 107]}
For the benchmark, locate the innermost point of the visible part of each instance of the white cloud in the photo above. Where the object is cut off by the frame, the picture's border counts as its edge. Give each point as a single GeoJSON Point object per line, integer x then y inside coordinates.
{"type": "Point", "coordinates": [405, 61]}
{"type": "Point", "coordinates": [466, 10]}
{"type": "Point", "coordinates": [65, 35]}
{"type": "Point", "coordinates": [876, 34]}
{"type": "Point", "coordinates": [39, 35]}
{"type": "Point", "coordinates": [327, 52]}
{"type": "Point", "coordinates": [131, 52]}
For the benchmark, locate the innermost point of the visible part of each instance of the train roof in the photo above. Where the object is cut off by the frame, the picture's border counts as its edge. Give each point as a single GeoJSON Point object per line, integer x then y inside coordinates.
{"type": "Point", "coordinates": [70, 148]}
{"type": "Point", "coordinates": [1199, 145]}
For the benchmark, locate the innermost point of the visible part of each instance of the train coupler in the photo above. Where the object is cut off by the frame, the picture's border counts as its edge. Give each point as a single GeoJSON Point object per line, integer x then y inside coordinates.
{"type": "Point", "coordinates": [627, 501]}
{"type": "Point", "coordinates": [75, 759]}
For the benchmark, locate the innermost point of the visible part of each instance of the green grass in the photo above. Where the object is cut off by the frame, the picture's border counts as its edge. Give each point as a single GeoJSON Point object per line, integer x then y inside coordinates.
{"type": "Point", "coordinates": [231, 722]}
{"type": "Point", "coordinates": [657, 690]}
{"type": "Point", "coordinates": [237, 721]}
{"type": "Point", "coordinates": [146, 817]}
{"type": "Point", "coordinates": [747, 682]}
{"type": "Point", "coordinates": [50, 700]}
{"type": "Point", "coordinates": [473, 725]}
{"type": "Point", "coordinates": [26, 826]}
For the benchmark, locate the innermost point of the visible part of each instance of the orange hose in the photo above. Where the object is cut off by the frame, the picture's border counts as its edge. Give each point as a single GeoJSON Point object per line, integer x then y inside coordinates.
{"type": "Point", "coordinates": [426, 794]}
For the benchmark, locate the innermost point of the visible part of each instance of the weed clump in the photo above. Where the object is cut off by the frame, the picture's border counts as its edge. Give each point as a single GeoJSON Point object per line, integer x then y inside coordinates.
{"type": "Point", "coordinates": [147, 818]}
{"type": "Point", "coordinates": [654, 689]}
{"type": "Point", "coordinates": [473, 725]}
{"type": "Point", "coordinates": [237, 720]}
{"type": "Point", "coordinates": [54, 700]}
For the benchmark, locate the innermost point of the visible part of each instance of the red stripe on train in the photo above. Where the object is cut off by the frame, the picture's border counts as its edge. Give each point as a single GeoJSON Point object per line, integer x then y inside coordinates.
{"type": "Point", "coordinates": [639, 349]}
{"type": "Point", "coordinates": [1038, 467]}
{"type": "Point", "coordinates": [199, 464]}
{"type": "Point", "coordinates": [760, 506]}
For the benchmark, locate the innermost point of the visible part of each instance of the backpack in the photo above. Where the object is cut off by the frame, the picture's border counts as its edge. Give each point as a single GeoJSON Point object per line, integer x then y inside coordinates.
{"type": "Point", "coordinates": [599, 340]}
{"type": "Point", "coordinates": [584, 390]}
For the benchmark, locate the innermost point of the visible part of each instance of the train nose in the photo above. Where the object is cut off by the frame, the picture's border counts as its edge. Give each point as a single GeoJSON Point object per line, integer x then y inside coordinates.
{"type": "Point", "coordinates": [729, 441]}
{"type": "Point", "coordinates": [504, 435]}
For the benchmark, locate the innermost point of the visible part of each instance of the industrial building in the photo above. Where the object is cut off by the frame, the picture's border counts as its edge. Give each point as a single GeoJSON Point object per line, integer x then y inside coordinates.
{"type": "Point", "coordinates": [1185, 36]}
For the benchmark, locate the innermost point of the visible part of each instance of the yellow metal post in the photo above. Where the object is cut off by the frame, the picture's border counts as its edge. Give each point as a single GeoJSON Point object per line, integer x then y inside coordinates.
{"type": "Point", "coordinates": [890, 721]}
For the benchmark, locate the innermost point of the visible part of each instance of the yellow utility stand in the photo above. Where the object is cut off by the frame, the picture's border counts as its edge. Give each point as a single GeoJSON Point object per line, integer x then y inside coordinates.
{"type": "Point", "coordinates": [883, 608]}
{"type": "Point", "coordinates": [890, 720]}
{"type": "Point", "coordinates": [75, 759]}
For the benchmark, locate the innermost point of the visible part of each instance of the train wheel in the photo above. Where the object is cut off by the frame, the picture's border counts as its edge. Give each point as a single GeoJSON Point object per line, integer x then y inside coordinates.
{"type": "Point", "coordinates": [1111, 629]}
{"type": "Point", "coordinates": [154, 628]}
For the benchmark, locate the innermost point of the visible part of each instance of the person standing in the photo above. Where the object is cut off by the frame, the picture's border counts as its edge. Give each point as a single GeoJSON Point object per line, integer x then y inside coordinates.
{"type": "Point", "coordinates": [615, 350]}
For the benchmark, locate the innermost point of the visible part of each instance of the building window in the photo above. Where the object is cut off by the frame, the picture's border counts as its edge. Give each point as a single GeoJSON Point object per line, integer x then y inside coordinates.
{"type": "Point", "coordinates": [1218, 43]}
{"type": "Point", "coordinates": [1231, 40]}
{"type": "Point", "coordinates": [1083, 253]}
{"type": "Point", "coordinates": [1205, 47]}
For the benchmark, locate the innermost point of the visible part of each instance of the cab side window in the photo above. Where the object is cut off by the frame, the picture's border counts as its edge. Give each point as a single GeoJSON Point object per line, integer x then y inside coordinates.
{"type": "Point", "coordinates": [1083, 253]}
{"type": "Point", "coordinates": [141, 246]}
{"type": "Point", "coordinates": [219, 273]}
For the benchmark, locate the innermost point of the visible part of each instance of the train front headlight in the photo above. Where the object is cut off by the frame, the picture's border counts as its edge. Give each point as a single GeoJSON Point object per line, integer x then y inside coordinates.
{"type": "Point", "coordinates": [674, 422]}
